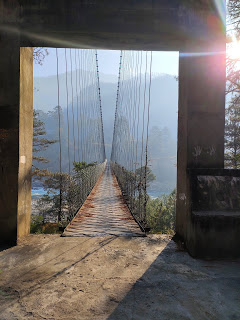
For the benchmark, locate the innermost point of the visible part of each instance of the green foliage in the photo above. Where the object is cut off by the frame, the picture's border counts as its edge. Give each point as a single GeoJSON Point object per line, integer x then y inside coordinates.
{"type": "Point", "coordinates": [133, 186]}
{"type": "Point", "coordinates": [161, 214]}
{"type": "Point", "coordinates": [40, 143]}
{"type": "Point", "coordinates": [48, 206]}
{"type": "Point", "coordinates": [74, 191]}
{"type": "Point", "coordinates": [78, 166]}
{"type": "Point", "coordinates": [39, 226]}
{"type": "Point", "coordinates": [133, 180]}
{"type": "Point", "coordinates": [143, 172]}
{"type": "Point", "coordinates": [36, 222]}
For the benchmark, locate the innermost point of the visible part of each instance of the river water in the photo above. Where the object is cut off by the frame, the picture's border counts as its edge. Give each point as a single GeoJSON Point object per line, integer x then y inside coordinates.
{"type": "Point", "coordinates": [38, 192]}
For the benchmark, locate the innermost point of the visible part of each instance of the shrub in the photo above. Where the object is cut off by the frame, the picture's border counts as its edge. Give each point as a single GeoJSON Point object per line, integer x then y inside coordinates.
{"type": "Point", "coordinates": [38, 226]}
{"type": "Point", "coordinates": [161, 214]}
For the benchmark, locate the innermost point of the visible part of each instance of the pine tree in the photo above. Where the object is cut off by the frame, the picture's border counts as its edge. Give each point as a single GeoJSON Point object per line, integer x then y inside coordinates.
{"type": "Point", "coordinates": [232, 134]}
{"type": "Point", "coordinates": [40, 143]}
{"type": "Point", "coordinates": [232, 124]}
{"type": "Point", "coordinates": [39, 54]}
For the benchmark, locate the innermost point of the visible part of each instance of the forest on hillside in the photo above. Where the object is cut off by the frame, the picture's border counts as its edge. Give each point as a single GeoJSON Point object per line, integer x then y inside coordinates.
{"type": "Point", "coordinates": [162, 133]}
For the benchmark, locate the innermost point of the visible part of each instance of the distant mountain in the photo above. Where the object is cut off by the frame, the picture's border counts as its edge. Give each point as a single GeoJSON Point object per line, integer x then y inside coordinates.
{"type": "Point", "coordinates": [45, 88]}
{"type": "Point", "coordinates": [163, 115]}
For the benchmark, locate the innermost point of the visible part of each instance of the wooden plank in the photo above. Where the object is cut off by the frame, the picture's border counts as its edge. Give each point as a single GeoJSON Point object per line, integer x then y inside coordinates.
{"type": "Point", "coordinates": [104, 212]}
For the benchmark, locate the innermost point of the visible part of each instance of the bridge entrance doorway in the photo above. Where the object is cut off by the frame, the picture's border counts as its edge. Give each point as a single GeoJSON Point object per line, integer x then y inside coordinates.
{"type": "Point", "coordinates": [144, 118]}
{"type": "Point", "coordinates": [196, 30]}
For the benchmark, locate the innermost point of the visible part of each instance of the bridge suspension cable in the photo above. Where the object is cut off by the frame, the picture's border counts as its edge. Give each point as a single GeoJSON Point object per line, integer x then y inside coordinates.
{"type": "Point", "coordinates": [129, 156]}
{"type": "Point", "coordinates": [60, 141]}
{"type": "Point", "coordinates": [82, 149]}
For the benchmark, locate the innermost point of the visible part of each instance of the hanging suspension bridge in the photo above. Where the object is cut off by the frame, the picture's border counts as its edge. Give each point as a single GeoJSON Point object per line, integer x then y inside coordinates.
{"type": "Point", "coordinates": [96, 196]}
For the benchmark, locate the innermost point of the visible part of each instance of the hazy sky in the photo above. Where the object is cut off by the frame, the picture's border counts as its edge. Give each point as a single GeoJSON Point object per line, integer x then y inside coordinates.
{"type": "Point", "coordinates": [163, 62]}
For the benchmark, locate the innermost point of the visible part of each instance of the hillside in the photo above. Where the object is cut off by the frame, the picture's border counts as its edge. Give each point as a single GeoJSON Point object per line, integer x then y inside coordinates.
{"type": "Point", "coordinates": [163, 122]}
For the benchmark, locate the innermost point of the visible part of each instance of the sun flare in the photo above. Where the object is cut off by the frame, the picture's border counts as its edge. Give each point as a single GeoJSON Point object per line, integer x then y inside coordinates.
{"type": "Point", "coordinates": [234, 50]}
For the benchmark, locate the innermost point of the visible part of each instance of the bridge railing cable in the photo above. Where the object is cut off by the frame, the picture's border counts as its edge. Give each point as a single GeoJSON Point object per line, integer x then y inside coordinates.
{"type": "Point", "coordinates": [81, 149]}
{"type": "Point", "coordinates": [129, 156]}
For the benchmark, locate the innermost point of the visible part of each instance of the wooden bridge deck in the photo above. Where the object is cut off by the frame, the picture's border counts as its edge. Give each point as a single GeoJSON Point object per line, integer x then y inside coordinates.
{"type": "Point", "coordinates": [104, 212]}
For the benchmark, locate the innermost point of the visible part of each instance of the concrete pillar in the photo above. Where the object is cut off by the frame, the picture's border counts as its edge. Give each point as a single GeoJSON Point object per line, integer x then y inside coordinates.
{"type": "Point", "coordinates": [16, 92]}
{"type": "Point", "coordinates": [201, 118]}
{"type": "Point", "coordinates": [25, 141]}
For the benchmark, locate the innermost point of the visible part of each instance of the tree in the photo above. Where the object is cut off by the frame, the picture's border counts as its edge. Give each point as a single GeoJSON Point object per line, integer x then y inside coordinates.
{"type": "Point", "coordinates": [39, 54]}
{"type": "Point", "coordinates": [161, 214]}
{"type": "Point", "coordinates": [232, 134]}
{"type": "Point", "coordinates": [233, 62]}
{"type": "Point", "coordinates": [40, 143]}
{"type": "Point", "coordinates": [142, 173]}
{"type": "Point", "coordinates": [79, 166]}
{"type": "Point", "coordinates": [234, 14]}
{"type": "Point", "coordinates": [48, 205]}
{"type": "Point", "coordinates": [232, 127]}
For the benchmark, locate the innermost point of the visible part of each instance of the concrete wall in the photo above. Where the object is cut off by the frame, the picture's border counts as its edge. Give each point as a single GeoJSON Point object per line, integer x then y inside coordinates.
{"type": "Point", "coordinates": [108, 24]}
{"type": "Point", "coordinates": [9, 126]}
{"type": "Point", "coordinates": [202, 81]}
{"type": "Point", "coordinates": [15, 129]}
{"type": "Point", "coordinates": [186, 26]}
{"type": "Point", "coordinates": [215, 213]}
{"type": "Point", "coordinates": [9, 138]}
{"type": "Point", "coordinates": [15, 139]}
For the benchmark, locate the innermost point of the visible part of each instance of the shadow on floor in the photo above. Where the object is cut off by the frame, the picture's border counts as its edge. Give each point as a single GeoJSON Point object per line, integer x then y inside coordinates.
{"type": "Point", "coordinates": [177, 286]}
{"type": "Point", "coordinates": [5, 247]}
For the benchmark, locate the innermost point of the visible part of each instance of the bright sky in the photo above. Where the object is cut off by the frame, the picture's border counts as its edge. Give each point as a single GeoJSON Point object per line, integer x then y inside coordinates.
{"type": "Point", "coordinates": [163, 62]}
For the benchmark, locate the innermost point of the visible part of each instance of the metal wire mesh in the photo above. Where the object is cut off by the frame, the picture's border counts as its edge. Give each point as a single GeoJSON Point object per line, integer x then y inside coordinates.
{"type": "Point", "coordinates": [129, 157]}
{"type": "Point", "coordinates": [85, 148]}
{"type": "Point", "coordinates": [78, 186]}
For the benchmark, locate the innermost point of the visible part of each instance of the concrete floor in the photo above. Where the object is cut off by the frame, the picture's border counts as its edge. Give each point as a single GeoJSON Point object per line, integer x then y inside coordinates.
{"type": "Point", "coordinates": [51, 277]}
